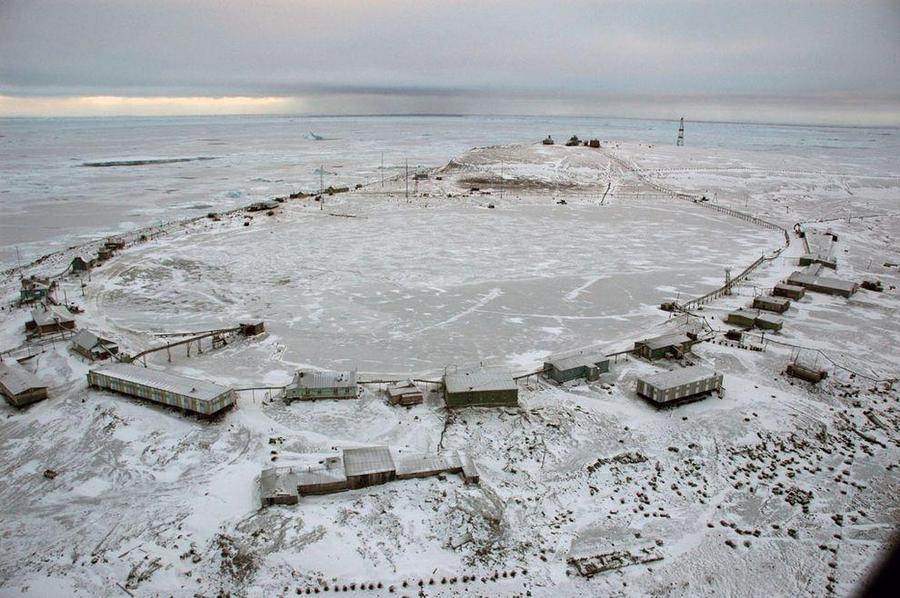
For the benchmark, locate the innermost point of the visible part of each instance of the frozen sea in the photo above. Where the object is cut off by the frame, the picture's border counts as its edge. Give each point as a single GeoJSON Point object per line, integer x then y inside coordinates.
{"type": "Point", "coordinates": [63, 181]}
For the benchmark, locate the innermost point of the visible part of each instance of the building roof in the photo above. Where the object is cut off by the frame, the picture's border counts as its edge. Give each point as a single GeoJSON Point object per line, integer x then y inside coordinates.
{"type": "Point", "coordinates": [16, 379]}
{"type": "Point", "coordinates": [407, 387]}
{"type": "Point", "coordinates": [88, 340]}
{"type": "Point", "coordinates": [774, 299]}
{"type": "Point", "coordinates": [33, 282]}
{"type": "Point", "coordinates": [323, 379]}
{"type": "Point", "coordinates": [51, 314]}
{"type": "Point", "coordinates": [673, 378]}
{"type": "Point", "coordinates": [788, 287]}
{"type": "Point", "coordinates": [577, 358]}
{"type": "Point", "coordinates": [666, 340]}
{"type": "Point", "coordinates": [366, 460]}
{"type": "Point", "coordinates": [182, 385]}
{"type": "Point", "coordinates": [479, 380]}
{"type": "Point", "coordinates": [412, 464]}
{"type": "Point", "coordinates": [770, 319]}
{"type": "Point", "coordinates": [821, 245]}
{"type": "Point", "coordinates": [278, 480]}
{"type": "Point", "coordinates": [836, 283]}
{"type": "Point", "coordinates": [808, 278]}
{"type": "Point", "coordinates": [319, 477]}
{"type": "Point", "coordinates": [744, 313]}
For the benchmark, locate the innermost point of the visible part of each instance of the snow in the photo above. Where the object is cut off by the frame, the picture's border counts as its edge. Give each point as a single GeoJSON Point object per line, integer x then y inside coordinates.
{"type": "Point", "coordinates": [163, 503]}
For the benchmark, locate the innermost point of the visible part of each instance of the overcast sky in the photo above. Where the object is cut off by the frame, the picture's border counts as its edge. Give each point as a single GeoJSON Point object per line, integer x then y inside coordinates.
{"type": "Point", "coordinates": [794, 60]}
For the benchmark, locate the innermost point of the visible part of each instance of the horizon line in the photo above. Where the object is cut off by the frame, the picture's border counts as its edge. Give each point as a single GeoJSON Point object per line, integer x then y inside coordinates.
{"type": "Point", "coordinates": [443, 115]}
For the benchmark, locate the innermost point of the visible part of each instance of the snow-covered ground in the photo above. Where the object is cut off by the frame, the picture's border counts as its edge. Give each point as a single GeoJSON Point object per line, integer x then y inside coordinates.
{"type": "Point", "coordinates": [775, 488]}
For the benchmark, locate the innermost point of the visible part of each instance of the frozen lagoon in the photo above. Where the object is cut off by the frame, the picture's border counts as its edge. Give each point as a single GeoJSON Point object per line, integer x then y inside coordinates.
{"type": "Point", "coordinates": [408, 288]}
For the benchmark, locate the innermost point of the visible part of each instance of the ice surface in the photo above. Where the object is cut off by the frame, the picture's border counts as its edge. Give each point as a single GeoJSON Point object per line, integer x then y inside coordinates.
{"type": "Point", "coordinates": [776, 488]}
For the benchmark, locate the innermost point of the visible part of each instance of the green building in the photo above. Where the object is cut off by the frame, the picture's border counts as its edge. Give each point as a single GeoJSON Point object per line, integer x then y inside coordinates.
{"type": "Point", "coordinates": [480, 387]}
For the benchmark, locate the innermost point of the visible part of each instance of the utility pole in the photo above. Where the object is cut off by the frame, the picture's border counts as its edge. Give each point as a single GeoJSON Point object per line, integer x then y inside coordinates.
{"type": "Point", "coordinates": [382, 170]}
{"type": "Point", "coordinates": [321, 179]}
{"type": "Point", "coordinates": [406, 178]}
{"type": "Point", "coordinates": [501, 179]}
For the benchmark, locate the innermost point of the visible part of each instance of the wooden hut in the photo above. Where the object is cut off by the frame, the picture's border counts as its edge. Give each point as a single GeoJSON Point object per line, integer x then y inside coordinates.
{"type": "Point", "coordinates": [35, 289]}
{"type": "Point", "coordinates": [405, 393]}
{"type": "Point", "coordinates": [741, 317]}
{"type": "Point", "coordinates": [252, 328]}
{"type": "Point", "coordinates": [47, 319]}
{"type": "Point", "coordinates": [480, 387]}
{"type": "Point", "coordinates": [768, 322]}
{"type": "Point", "coordinates": [278, 486]}
{"type": "Point", "coordinates": [772, 303]}
{"type": "Point", "coordinates": [587, 363]}
{"type": "Point", "coordinates": [790, 291]}
{"type": "Point", "coordinates": [327, 477]}
{"type": "Point", "coordinates": [810, 280]}
{"type": "Point", "coordinates": [19, 386]}
{"type": "Point", "coordinates": [673, 344]}
{"type": "Point", "coordinates": [89, 345]}
{"type": "Point", "coordinates": [188, 394]}
{"type": "Point", "coordinates": [680, 385]}
{"type": "Point", "coordinates": [310, 385]}
{"type": "Point", "coordinates": [368, 466]}
{"type": "Point", "coordinates": [79, 264]}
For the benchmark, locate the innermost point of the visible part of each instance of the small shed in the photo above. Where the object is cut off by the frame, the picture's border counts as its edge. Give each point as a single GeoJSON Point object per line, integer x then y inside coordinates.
{"type": "Point", "coordinates": [676, 343]}
{"type": "Point", "coordinates": [79, 264]}
{"type": "Point", "coordinates": [480, 387]}
{"type": "Point", "coordinates": [104, 254]}
{"type": "Point", "coordinates": [768, 322]}
{"type": "Point", "coordinates": [19, 386]}
{"type": "Point", "coordinates": [89, 345]}
{"type": "Point", "coordinates": [790, 291]}
{"type": "Point", "coordinates": [252, 328]}
{"type": "Point", "coordinates": [548, 141]}
{"type": "Point", "coordinates": [309, 385]}
{"type": "Point", "coordinates": [772, 303]}
{"type": "Point", "coordinates": [405, 393]}
{"type": "Point", "coordinates": [584, 363]}
{"type": "Point", "coordinates": [35, 289]}
{"type": "Point", "coordinates": [189, 394]}
{"type": "Point", "coordinates": [368, 466]}
{"type": "Point", "coordinates": [808, 259]}
{"type": "Point", "coordinates": [422, 466]}
{"type": "Point", "coordinates": [47, 319]}
{"type": "Point", "coordinates": [872, 284]}
{"type": "Point", "coordinates": [741, 317]}
{"type": "Point", "coordinates": [665, 388]}
{"type": "Point", "coordinates": [278, 486]}
{"type": "Point", "coordinates": [114, 243]}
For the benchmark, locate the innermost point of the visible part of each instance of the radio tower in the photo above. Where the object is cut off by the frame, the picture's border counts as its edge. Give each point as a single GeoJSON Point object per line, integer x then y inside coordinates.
{"type": "Point", "coordinates": [680, 141]}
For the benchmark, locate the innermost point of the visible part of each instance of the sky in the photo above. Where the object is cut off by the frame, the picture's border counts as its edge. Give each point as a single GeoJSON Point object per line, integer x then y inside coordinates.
{"type": "Point", "coordinates": [828, 61]}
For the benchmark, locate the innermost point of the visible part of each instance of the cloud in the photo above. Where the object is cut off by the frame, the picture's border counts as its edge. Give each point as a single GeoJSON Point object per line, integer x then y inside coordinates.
{"type": "Point", "coordinates": [448, 49]}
